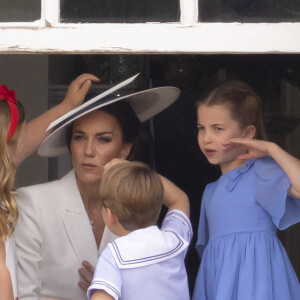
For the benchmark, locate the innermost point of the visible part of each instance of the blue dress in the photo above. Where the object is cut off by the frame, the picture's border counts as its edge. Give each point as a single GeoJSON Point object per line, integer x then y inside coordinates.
{"type": "Point", "coordinates": [241, 256]}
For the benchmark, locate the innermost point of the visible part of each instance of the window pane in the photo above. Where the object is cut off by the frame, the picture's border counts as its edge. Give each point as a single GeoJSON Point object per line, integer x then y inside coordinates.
{"type": "Point", "coordinates": [251, 11]}
{"type": "Point", "coordinates": [119, 11]}
{"type": "Point", "coordinates": [20, 10]}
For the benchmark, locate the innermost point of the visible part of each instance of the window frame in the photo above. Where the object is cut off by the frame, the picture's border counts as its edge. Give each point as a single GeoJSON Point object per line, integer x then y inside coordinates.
{"type": "Point", "coordinates": [189, 36]}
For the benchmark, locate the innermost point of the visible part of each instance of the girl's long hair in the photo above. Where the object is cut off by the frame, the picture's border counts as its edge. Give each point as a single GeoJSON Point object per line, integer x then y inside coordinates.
{"type": "Point", "coordinates": [8, 208]}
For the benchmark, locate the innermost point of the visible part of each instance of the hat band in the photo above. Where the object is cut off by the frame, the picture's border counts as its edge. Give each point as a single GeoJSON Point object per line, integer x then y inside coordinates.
{"type": "Point", "coordinates": [10, 97]}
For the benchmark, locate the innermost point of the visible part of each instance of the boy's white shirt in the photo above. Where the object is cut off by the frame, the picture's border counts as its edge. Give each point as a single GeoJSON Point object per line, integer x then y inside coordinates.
{"type": "Point", "coordinates": [145, 248]}
{"type": "Point", "coordinates": [136, 250]}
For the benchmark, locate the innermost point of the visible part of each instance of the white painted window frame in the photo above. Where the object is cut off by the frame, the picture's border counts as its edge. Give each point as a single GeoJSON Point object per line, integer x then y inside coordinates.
{"type": "Point", "coordinates": [188, 36]}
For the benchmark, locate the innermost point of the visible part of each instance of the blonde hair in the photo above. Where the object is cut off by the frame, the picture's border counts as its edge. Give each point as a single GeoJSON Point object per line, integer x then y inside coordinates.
{"type": "Point", "coordinates": [134, 193]}
{"type": "Point", "coordinates": [243, 102]}
{"type": "Point", "coordinates": [8, 208]}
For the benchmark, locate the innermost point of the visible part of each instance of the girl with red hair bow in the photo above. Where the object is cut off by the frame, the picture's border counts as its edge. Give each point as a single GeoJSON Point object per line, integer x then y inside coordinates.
{"type": "Point", "coordinates": [15, 146]}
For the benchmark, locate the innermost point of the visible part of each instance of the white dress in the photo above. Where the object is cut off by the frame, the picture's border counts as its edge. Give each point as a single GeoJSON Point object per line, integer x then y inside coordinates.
{"type": "Point", "coordinates": [11, 262]}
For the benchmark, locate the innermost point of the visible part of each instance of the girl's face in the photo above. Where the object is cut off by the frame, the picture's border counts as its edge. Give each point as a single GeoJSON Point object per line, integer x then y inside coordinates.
{"type": "Point", "coordinates": [215, 127]}
{"type": "Point", "coordinates": [96, 139]}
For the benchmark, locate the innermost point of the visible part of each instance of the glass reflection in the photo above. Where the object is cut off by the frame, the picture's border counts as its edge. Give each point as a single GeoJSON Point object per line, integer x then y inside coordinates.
{"type": "Point", "coordinates": [20, 11]}
{"type": "Point", "coordinates": [251, 11]}
{"type": "Point", "coordinates": [119, 11]}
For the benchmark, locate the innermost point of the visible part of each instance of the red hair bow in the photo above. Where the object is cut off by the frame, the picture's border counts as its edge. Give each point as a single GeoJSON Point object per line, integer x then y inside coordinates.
{"type": "Point", "coordinates": [10, 97]}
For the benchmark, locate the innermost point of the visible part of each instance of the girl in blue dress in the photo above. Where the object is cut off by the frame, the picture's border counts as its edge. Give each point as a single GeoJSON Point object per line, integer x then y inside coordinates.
{"type": "Point", "coordinates": [257, 193]}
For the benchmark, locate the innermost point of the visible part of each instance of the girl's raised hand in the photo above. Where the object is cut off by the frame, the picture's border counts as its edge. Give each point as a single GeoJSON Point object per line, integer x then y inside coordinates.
{"type": "Point", "coordinates": [37, 127]}
{"type": "Point", "coordinates": [78, 90]}
{"type": "Point", "coordinates": [255, 148]}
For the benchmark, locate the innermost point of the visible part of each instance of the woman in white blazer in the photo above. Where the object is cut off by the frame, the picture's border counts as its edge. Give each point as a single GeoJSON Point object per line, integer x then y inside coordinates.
{"type": "Point", "coordinates": [53, 237]}
{"type": "Point", "coordinates": [60, 223]}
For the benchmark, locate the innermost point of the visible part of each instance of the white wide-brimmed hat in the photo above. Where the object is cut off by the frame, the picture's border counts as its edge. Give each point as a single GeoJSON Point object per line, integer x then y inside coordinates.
{"type": "Point", "coordinates": [145, 104]}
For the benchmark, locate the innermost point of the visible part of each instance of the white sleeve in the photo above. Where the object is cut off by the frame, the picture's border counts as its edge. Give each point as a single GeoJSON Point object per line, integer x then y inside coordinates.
{"type": "Point", "coordinates": [107, 276]}
{"type": "Point", "coordinates": [177, 221]}
{"type": "Point", "coordinates": [28, 238]}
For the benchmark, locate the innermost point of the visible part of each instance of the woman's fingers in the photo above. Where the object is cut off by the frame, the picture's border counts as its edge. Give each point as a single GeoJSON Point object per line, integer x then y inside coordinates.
{"type": "Point", "coordinates": [86, 273]}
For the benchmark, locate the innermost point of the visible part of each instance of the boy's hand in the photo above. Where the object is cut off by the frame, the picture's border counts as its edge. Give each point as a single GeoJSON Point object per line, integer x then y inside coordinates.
{"type": "Point", "coordinates": [101, 295]}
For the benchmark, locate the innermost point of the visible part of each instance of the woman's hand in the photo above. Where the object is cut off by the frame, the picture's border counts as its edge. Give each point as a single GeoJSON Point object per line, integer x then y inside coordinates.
{"type": "Point", "coordinates": [86, 273]}
{"type": "Point", "coordinates": [255, 148]}
{"type": "Point", "coordinates": [78, 90]}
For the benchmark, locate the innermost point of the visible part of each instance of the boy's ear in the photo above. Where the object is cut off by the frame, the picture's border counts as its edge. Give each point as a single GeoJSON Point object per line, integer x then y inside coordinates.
{"type": "Point", "coordinates": [249, 132]}
{"type": "Point", "coordinates": [112, 219]}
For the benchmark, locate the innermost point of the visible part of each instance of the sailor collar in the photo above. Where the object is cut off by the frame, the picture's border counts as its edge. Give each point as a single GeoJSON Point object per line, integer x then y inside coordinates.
{"type": "Point", "coordinates": [146, 246]}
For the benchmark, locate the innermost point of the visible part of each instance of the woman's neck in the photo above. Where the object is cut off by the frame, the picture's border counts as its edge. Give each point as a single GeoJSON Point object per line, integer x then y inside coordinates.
{"type": "Point", "coordinates": [89, 192]}
{"type": "Point", "coordinates": [91, 201]}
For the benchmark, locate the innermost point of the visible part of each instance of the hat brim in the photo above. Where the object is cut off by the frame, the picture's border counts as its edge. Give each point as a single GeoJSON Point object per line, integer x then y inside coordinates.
{"type": "Point", "coordinates": [145, 104]}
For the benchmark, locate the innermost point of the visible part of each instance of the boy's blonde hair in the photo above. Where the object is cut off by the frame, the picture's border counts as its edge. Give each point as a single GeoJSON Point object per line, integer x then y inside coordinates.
{"type": "Point", "coordinates": [8, 208]}
{"type": "Point", "coordinates": [134, 193]}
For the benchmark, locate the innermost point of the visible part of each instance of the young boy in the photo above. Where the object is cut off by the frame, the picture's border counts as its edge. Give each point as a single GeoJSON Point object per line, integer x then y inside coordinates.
{"type": "Point", "coordinates": [145, 262]}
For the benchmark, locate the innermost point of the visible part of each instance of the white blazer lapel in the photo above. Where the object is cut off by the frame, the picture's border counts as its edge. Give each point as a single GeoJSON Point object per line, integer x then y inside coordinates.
{"type": "Point", "coordinates": [107, 237]}
{"type": "Point", "coordinates": [76, 221]}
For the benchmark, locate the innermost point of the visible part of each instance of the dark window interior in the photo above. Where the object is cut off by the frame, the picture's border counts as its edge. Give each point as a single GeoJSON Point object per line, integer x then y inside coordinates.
{"type": "Point", "coordinates": [249, 11]}
{"type": "Point", "coordinates": [175, 150]}
{"type": "Point", "coordinates": [119, 11]}
{"type": "Point", "coordinates": [20, 11]}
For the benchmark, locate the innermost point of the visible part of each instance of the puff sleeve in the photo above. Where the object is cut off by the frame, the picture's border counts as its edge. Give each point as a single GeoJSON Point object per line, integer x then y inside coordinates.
{"type": "Point", "coordinates": [178, 221]}
{"type": "Point", "coordinates": [271, 186]}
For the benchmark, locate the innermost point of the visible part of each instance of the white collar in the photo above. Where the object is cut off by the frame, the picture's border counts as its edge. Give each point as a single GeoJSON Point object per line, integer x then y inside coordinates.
{"type": "Point", "coordinates": [146, 246]}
